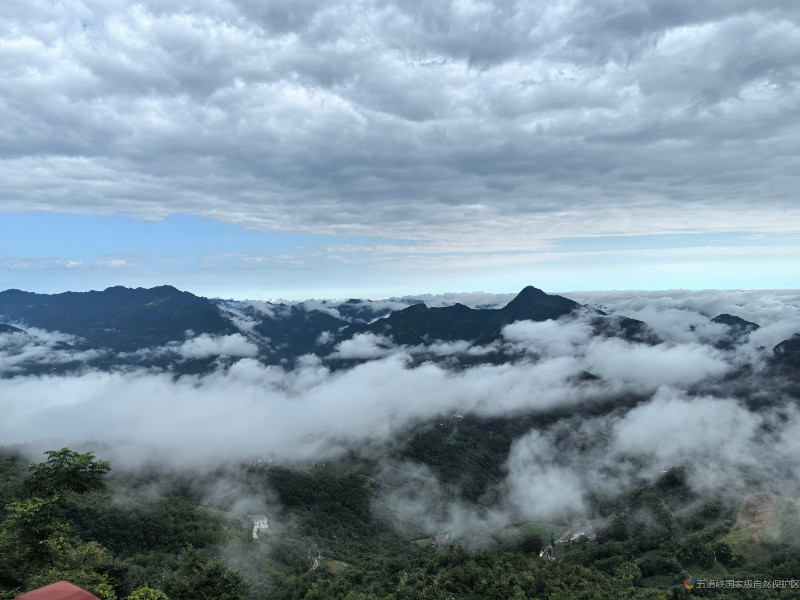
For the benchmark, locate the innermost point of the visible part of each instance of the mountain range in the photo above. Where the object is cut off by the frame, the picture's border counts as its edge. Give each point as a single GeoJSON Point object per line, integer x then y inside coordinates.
{"type": "Point", "coordinates": [384, 432]}
{"type": "Point", "coordinates": [163, 327]}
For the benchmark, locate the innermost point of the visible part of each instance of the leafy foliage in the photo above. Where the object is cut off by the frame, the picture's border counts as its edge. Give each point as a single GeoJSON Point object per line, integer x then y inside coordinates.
{"type": "Point", "coordinates": [200, 577]}
{"type": "Point", "coordinates": [147, 593]}
{"type": "Point", "coordinates": [325, 541]}
{"type": "Point", "coordinates": [463, 455]}
{"type": "Point", "coordinates": [66, 471]}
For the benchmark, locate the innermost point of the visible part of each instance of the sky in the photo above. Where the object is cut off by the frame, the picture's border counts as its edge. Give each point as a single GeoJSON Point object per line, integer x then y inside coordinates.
{"type": "Point", "coordinates": [305, 148]}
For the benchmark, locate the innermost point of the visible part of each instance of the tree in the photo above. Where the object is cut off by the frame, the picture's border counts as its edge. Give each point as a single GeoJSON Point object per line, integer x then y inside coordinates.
{"type": "Point", "coordinates": [200, 577]}
{"type": "Point", "coordinates": [628, 574]}
{"type": "Point", "coordinates": [147, 593]}
{"type": "Point", "coordinates": [37, 551]}
{"type": "Point", "coordinates": [80, 564]}
{"type": "Point", "coordinates": [35, 545]}
{"type": "Point", "coordinates": [24, 535]}
{"type": "Point", "coordinates": [65, 471]}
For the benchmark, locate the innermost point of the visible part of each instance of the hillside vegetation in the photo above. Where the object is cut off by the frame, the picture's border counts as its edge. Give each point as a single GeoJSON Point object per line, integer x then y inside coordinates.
{"type": "Point", "coordinates": [116, 533]}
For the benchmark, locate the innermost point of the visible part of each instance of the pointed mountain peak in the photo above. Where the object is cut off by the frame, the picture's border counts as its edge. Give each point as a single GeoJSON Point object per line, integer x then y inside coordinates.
{"type": "Point", "coordinates": [537, 305]}
{"type": "Point", "coordinates": [530, 291]}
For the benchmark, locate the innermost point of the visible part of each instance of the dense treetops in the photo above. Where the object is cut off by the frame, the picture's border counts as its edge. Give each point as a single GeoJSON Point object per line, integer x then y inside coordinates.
{"type": "Point", "coordinates": [68, 518]}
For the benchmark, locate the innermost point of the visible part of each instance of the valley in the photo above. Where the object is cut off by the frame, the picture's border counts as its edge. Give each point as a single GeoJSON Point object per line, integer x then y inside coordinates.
{"type": "Point", "coordinates": [534, 448]}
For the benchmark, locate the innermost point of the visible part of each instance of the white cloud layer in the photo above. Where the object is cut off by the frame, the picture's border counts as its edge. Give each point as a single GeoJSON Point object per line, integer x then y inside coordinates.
{"type": "Point", "coordinates": [37, 348]}
{"type": "Point", "coordinates": [649, 408]}
{"type": "Point", "coordinates": [205, 345]}
{"type": "Point", "coordinates": [683, 315]}
{"type": "Point", "coordinates": [363, 346]}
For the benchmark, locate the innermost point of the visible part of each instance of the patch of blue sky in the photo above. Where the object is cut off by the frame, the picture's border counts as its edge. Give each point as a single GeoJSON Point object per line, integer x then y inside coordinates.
{"type": "Point", "coordinates": [86, 237]}
{"type": "Point", "coordinates": [50, 253]}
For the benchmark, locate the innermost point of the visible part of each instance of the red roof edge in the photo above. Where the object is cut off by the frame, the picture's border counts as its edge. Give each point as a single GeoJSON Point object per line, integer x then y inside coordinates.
{"type": "Point", "coordinates": [61, 590]}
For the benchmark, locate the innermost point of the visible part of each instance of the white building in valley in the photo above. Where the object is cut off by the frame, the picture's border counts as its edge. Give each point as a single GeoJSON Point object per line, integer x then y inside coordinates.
{"type": "Point", "coordinates": [259, 523]}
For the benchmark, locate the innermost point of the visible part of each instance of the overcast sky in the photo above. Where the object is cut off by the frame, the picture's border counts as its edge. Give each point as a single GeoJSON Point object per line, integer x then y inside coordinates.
{"type": "Point", "coordinates": [308, 148]}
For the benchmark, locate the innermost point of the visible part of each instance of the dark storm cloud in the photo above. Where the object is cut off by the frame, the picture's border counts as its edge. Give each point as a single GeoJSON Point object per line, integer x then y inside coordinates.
{"type": "Point", "coordinates": [466, 122]}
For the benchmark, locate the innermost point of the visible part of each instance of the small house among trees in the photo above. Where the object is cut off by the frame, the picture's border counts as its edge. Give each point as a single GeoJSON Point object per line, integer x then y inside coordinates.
{"type": "Point", "coordinates": [259, 524]}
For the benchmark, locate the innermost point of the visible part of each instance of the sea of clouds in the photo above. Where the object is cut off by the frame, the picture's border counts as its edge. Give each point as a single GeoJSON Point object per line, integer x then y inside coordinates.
{"type": "Point", "coordinates": [687, 410]}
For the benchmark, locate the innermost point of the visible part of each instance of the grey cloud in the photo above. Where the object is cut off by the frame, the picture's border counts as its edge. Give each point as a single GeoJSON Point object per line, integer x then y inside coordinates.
{"type": "Point", "coordinates": [760, 306]}
{"type": "Point", "coordinates": [414, 502]}
{"type": "Point", "coordinates": [652, 367]}
{"type": "Point", "coordinates": [304, 413]}
{"type": "Point", "coordinates": [36, 348]}
{"type": "Point", "coordinates": [369, 346]}
{"type": "Point", "coordinates": [539, 486]}
{"type": "Point", "coordinates": [17, 263]}
{"type": "Point", "coordinates": [454, 122]}
{"type": "Point", "coordinates": [312, 305]}
{"type": "Point", "coordinates": [363, 346]}
{"type": "Point", "coordinates": [325, 338]}
{"type": "Point", "coordinates": [683, 315]}
{"type": "Point", "coordinates": [234, 312]}
{"type": "Point", "coordinates": [380, 305]}
{"type": "Point", "coordinates": [679, 363]}
{"type": "Point", "coordinates": [724, 443]}
{"type": "Point", "coordinates": [673, 428]}
{"type": "Point", "coordinates": [553, 472]}
{"type": "Point", "coordinates": [787, 448]}
{"type": "Point", "coordinates": [206, 345]}
{"type": "Point", "coordinates": [284, 16]}
{"type": "Point", "coordinates": [644, 415]}
{"type": "Point", "coordinates": [471, 299]}
{"type": "Point", "coordinates": [236, 345]}
{"type": "Point", "coordinates": [549, 338]}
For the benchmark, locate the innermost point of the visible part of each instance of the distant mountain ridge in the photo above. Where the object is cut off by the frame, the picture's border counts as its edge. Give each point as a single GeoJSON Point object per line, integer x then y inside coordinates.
{"type": "Point", "coordinates": [418, 323]}
{"type": "Point", "coordinates": [126, 319]}
{"type": "Point", "coordinates": [147, 327]}
{"type": "Point", "coordinates": [10, 329]}
{"type": "Point", "coordinates": [119, 318]}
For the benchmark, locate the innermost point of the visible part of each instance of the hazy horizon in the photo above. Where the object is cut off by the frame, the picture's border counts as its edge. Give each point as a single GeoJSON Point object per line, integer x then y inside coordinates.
{"type": "Point", "coordinates": [325, 149]}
